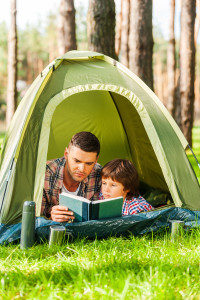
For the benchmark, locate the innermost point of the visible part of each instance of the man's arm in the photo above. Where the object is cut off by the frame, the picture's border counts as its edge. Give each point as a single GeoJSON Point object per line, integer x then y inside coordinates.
{"type": "Point", "coordinates": [45, 207]}
{"type": "Point", "coordinates": [56, 213]}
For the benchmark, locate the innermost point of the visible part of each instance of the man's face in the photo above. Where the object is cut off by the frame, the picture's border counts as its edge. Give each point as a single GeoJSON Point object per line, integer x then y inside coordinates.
{"type": "Point", "coordinates": [79, 163]}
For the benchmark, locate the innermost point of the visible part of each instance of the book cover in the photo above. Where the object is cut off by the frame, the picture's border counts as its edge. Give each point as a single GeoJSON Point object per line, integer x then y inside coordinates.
{"type": "Point", "coordinates": [79, 205]}
{"type": "Point", "coordinates": [85, 210]}
{"type": "Point", "coordinates": [108, 208]}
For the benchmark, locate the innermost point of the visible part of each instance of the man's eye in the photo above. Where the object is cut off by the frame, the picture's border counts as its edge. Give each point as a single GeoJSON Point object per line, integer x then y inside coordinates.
{"type": "Point", "coordinates": [103, 183]}
{"type": "Point", "coordinates": [113, 184]}
{"type": "Point", "coordinates": [89, 164]}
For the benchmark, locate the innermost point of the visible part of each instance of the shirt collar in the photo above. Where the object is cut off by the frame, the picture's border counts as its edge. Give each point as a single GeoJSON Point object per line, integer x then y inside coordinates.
{"type": "Point", "coordinates": [85, 180]}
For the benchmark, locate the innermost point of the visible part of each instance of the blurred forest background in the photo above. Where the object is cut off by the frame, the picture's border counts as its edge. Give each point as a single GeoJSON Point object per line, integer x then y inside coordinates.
{"type": "Point", "coordinates": [169, 66]}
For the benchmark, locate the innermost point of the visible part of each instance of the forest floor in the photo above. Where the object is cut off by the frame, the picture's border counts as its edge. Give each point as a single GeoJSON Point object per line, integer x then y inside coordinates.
{"type": "Point", "coordinates": [142, 267]}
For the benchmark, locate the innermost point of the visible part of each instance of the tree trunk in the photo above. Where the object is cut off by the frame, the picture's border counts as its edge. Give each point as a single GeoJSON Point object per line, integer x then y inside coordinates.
{"type": "Point", "coordinates": [197, 22]}
{"type": "Point", "coordinates": [101, 27]}
{"type": "Point", "coordinates": [171, 63]}
{"type": "Point", "coordinates": [141, 40]}
{"type": "Point", "coordinates": [29, 74]}
{"type": "Point", "coordinates": [125, 33]}
{"type": "Point", "coordinates": [66, 27]}
{"type": "Point", "coordinates": [187, 66]}
{"type": "Point", "coordinates": [118, 29]}
{"type": "Point", "coordinates": [196, 84]}
{"type": "Point", "coordinates": [177, 115]}
{"type": "Point", "coordinates": [40, 65]}
{"type": "Point", "coordinates": [12, 66]}
{"type": "Point", "coordinates": [158, 75]}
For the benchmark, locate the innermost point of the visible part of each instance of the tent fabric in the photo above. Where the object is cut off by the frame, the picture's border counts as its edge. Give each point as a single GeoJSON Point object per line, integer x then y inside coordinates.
{"type": "Point", "coordinates": [138, 224]}
{"type": "Point", "coordinates": [90, 91]}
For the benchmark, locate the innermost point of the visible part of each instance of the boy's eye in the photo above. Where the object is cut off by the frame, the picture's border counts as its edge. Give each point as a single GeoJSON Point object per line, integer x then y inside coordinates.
{"type": "Point", "coordinates": [113, 184]}
{"type": "Point", "coordinates": [103, 182]}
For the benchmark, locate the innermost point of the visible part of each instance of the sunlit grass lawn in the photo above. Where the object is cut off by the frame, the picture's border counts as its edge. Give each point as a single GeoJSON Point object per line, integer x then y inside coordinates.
{"type": "Point", "coordinates": [147, 267]}
{"type": "Point", "coordinates": [144, 267]}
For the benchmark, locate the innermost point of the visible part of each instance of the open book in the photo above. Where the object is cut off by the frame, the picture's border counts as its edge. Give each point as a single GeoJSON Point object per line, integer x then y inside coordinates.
{"type": "Point", "coordinates": [85, 210]}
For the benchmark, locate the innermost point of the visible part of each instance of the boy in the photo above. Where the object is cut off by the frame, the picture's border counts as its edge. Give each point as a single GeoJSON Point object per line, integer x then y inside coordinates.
{"type": "Point", "coordinates": [120, 178]}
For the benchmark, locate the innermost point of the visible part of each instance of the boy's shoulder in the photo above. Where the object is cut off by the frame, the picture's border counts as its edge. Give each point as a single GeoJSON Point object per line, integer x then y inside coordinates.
{"type": "Point", "coordinates": [140, 202]}
{"type": "Point", "coordinates": [138, 198]}
{"type": "Point", "coordinates": [97, 167]}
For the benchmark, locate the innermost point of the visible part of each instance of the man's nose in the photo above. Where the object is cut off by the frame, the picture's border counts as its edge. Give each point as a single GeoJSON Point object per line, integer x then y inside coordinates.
{"type": "Point", "coordinates": [81, 167]}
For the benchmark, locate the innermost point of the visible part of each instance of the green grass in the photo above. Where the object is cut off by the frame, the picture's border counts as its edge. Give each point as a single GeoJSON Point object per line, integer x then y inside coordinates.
{"type": "Point", "coordinates": [144, 267]}
{"type": "Point", "coordinates": [147, 267]}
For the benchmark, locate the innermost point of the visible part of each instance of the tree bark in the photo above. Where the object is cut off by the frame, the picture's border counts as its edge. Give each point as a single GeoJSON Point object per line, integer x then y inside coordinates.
{"type": "Point", "coordinates": [101, 26]}
{"type": "Point", "coordinates": [12, 66]}
{"type": "Point", "coordinates": [197, 22]}
{"type": "Point", "coordinates": [141, 40]}
{"type": "Point", "coordinates": [66, 27]}
{"type": "Point", "coordinates": [29, 73]}
{"type": "Point", "coordinates": [187, 66]}
{"type": "Point", "coordinates": [171, 63]}
{"type": "Point", "coordinates": [177, 115]}
{"type": "Point", "coordinates": [118, 29]}
{"type": "Point", "coordinates": [125, 33]}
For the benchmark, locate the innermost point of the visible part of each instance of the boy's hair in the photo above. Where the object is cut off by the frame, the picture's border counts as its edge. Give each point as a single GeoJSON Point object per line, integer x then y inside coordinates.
{"type": "Point", "coordinates": [86, 141]}
{"type": "Point", "coordinates": [123, 171]}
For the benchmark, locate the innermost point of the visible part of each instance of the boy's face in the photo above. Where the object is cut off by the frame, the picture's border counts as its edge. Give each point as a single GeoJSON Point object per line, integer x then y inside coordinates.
{"type": "Point", "coordinates": [112, 189]}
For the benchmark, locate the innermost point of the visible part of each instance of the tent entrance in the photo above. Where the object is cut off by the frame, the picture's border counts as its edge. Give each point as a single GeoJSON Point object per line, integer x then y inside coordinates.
{"type": "Point", "coordinates": [117, 124]}
{"type": "Point", "coordinates": [113, 119]}
{"type": "Point", "coordinates": [92, 111]}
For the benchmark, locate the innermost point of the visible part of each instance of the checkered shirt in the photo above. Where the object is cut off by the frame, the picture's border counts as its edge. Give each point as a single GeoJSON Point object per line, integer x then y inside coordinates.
{"type": "Point", "coordinates": [89, 187]}
{"type": "Point", "coordinates": [133, 206]}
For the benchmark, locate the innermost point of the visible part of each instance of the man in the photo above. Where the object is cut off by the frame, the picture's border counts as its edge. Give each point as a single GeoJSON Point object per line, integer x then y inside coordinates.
{"type": "Point", "coordinates": [76, 173]}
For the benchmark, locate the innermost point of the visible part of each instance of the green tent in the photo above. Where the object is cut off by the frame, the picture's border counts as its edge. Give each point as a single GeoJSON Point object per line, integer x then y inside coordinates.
{"type": "Point", "coordinates": [87, 91]}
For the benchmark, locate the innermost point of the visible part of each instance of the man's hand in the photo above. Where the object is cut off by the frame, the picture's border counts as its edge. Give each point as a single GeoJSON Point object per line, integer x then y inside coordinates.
{"type": "Point", "coordinates": [61, 214]}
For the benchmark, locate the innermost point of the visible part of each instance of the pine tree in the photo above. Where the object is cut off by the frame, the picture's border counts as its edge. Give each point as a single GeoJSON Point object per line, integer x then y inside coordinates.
{"type": "Point", "coordinates": [101, 26]}
{"type": "Point", "coordinates": [187, 66]}
{"type": "Point", "coordinates": [66, 27]}
{"type": "Point", "coordinates": [141, 40]}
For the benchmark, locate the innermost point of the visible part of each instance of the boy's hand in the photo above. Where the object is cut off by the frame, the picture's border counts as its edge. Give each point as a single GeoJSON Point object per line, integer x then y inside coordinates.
{"type": "Point", "coordinates": [61, 214]}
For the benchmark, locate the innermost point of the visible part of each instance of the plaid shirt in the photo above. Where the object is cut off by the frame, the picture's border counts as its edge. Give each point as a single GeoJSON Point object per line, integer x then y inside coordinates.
{"type": "Point", "coordinates": [89, 187]}
{"type": "Point", "coordinates": [133, 206]}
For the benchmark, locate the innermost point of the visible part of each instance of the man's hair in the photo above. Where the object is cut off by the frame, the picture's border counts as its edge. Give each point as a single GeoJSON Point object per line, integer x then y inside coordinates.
{"type": "Point", "coordinates": [86, 141]}
{"type": "Point", "coordinates": [123, 171]}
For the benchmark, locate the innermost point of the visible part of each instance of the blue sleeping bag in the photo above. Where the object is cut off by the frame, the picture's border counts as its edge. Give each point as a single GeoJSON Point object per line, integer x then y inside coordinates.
{"type": "Point", "coordinates": [136, 224]}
